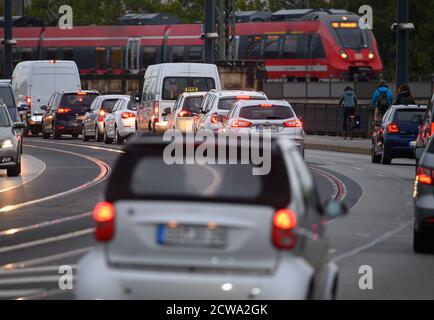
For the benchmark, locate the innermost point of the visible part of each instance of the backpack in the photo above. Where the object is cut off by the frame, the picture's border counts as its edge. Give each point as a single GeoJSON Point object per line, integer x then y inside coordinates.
{"type": "Point", "coordinates": [383, 103]}
{"type": "Point", "coordinates": [406, 100]}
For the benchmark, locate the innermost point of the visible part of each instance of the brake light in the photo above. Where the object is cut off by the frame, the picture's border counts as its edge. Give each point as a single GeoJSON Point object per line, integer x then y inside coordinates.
{"type": "Point", "coordinates": [63, 110]}
{"type": "Point", "coordinates": [243, 97]}
{"type": "Point", "coordinates": [284, 223]}
{"type": "Point", "coordinates": [241, 124]}
{"type": "Point", "coordinates": [81, 93]}
{"type": "Point", "coordinates": [266, 105]}
{"type": "Point", "coordinates": [104, 216]}
{"type": "Point", "coordinates": [392, 128]}
{"type": "Point", "coordinates": [28, 101]}
{"type": "Point", "coordinates": [215, 118]}
{"type": "Point", "coordinates": [185, 113]}
{"type": "Point", "coordinates": [101, 116]}
{"type": "Point", "coordinates": [424, 176]}
{"type": "Point", "coordinates": [293, 123]}
{"type": "Point", "coordinates": [126, 115]}
{"type": "Point", "coordinates": [432, 128]}
{"type": "Point", "coordinates": [156, 108]}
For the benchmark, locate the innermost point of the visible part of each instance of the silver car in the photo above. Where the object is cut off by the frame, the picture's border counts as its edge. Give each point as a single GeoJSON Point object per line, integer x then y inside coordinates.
{"type": "Point", "coordinates": [214, 231]}
{"type": "Point", "coordinates": [274, 117]}
{"type": "Point", "coordinates": [10, 143]}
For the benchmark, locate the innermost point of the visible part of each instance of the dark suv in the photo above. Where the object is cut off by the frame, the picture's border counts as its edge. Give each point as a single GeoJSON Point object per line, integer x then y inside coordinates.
{"type": "Point", "coordinates": [426, 130]}
{"type": "Point", "coordinates": [65, 112]}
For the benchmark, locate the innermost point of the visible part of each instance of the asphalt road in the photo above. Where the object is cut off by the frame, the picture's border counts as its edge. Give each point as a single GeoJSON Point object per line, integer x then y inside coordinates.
{"type": "Point", "coordinates": [45, 220]}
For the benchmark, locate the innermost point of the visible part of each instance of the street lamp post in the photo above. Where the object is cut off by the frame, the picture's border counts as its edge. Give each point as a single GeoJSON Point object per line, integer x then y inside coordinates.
{"type": "Point", "coordinates": [209, 32]}
{"type": "Point", "coordinates": [402, 35]}
{"type": "Point", "coordinates": [8, 41]}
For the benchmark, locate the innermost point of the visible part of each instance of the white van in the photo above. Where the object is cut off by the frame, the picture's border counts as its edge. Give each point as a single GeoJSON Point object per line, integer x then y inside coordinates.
{"type": "Point", "coordinates": [163, 84]}
{"type": "Point", "coordinates": [34, 82]}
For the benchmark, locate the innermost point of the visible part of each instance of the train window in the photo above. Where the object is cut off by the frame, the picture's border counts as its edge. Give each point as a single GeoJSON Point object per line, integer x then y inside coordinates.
{"type": "Point", "coordinates": [178, 54]}
{"type": "Point", "coordinates": [149, 55]}
{"type": "Point", "coordinates": [68, 54]}
{"type": "Point", "coordinates": [52, 54]}
{"type": "Point", "coordinates": [26, 54]}
{"type": "Point", "coordinates": [116, 58]}
{"type": "Point", "coordinates": [271, 48]}
{"type": "Point", "coordinates": [100, 58]}
{"type": "Point", "coordinates": [195, 53]}
{"type": "Point", "coordinates": [290, 45]}
{"type": "Point", "coordinates": [317, 47]}
{"type": "Point", "coordinates": [254, 47]}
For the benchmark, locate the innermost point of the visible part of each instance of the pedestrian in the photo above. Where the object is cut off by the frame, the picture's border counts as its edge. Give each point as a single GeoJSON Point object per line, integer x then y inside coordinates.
{"type": "Point", "coordinates": [382, 99]}
{"type": "Point", "coordinates": [349, 102]}
{"type": "Point", "coordinates": [404, 96]}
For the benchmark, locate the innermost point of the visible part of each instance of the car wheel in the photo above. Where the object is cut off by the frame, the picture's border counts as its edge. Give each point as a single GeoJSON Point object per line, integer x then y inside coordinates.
{"type": "Point", "coordinates": [15, 171]}
{"type": "Point", "coordinates": [56, 135]}
{"type": "Point", "coordinates": [45, 135]}
{"type": "Point", "coordinates": [385, 158]}
{"type": "Point", "coordinates": [98, 137]}
{"type": "Point", "coordinates": [107, 140]}
{"type": "Point", "coordinates": [84, 137]}
{"type": "Point", "coordinates": [420, 242]}
{"type": "Point", "coordinates": [119, 139]}
{"type": "Point", "coordinates": [75, 135]}
{"type": "Point", "coordinates": [26, 131]}
{"type": "Point", "coordinates": [374, 157]}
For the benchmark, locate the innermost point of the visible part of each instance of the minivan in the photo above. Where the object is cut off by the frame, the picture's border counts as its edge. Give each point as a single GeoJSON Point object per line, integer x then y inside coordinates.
{"type": "Point", "coordinates": [163, 83]}
{"type": "Point", "coordinates": [34, 82]}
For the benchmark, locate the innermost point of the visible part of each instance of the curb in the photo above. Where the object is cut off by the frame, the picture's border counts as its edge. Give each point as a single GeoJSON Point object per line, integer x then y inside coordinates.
{"type": "Point", "coordinates": [335, 148]}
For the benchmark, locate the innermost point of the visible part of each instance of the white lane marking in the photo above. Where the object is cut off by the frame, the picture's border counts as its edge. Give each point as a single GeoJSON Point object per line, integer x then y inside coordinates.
{"type": "Point", "coordinates": [216, 182]}
{"type": "Point", "coordinates": [35, 243]}
{"type": "Point", "coordinates": [80, 145]}
{"type": "Point", "coordinates": [33, 270]}
{"type": "Point", "coordinates": [103, 174]}
{"type": "Point", "coordinates": [14, 231]}
{"type": "Point", "coordinates": [372, 243]}
{"type": "Point", "coordinates": [27, 180]}
{"type": "Point", "coordinates": [358, 168]}
{"type": "Point", "coordinates": [42, 260]}
{"type": "Point", "coordinates": [4, 294]}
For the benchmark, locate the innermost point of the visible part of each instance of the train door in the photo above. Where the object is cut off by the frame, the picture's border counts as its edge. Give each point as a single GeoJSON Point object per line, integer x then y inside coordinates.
{"type": "Point", "coordinates": [132, 58]}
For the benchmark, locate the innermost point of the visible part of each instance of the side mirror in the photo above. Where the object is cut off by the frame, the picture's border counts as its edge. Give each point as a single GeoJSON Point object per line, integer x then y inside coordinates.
{"type": "Point", "coordinates": [334, 209]}
{"type": "Point", "coordinates": [44, 108]}
{"type": "Point", "coordinates": [19, 125]}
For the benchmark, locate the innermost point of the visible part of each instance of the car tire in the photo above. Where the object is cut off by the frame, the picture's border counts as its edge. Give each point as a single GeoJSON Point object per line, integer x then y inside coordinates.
{"type": "Point", "coordinates": [420, 242]}
{"type": "Point", "coordinates": [119, 139]}
{"type": "Point", "coordinates": [106, 139]}
{"type": "Point", "coordinates": [374, 157]}
{"type": "Point", "coordinates": [45, 135]}
{"type": "Point", "coordinates": [98, 137]}
{"type": "Point", "coordinates": [16, 170]}
{"type": "Point", "coordinates": [56, 135]}
{"type": "Point", "coordinates": [75, 135]}
{"type": "Point", "coordinates": [26, 131]}
{"type": "Point", "coordinates": [385, 158]}
{"type": "Point", "coordinates": [84, 137]}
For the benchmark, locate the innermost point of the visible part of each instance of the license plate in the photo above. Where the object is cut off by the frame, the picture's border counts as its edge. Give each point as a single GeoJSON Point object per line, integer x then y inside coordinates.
{"type": "Point", "coordinates": [267, 128]}
{"type": "Point", "coordinates": [359, 56]}
{"type": "Point", "coordinates": [191, 236]}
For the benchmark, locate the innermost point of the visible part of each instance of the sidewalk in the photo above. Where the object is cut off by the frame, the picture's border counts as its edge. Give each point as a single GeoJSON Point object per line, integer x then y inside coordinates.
{"type": "Point", "coordinates": [338, 144]}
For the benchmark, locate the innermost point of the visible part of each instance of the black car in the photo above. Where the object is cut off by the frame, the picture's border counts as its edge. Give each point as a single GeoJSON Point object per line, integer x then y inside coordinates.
{"type": "Point", "coordinates": [426, 130]}
{"type": "Point", "coordinates": [65, 112]}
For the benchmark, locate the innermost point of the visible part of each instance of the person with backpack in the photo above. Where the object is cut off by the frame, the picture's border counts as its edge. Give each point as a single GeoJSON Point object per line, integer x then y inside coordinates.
{"type": "Point", "coordinates": [349, 102]}
{"type": "Point", "coordinates": [382, 99]}
{"type": "Point", "coordinates": [404, 96]}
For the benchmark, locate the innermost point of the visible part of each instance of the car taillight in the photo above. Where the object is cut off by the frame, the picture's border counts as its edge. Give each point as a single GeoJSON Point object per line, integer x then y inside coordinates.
{"type": "Point", "coordinates": [241, 124]}
{"type": "Point", "coordinates": [28, 101]}
{"type": "Point", "coordinates": [63, 110]}
{"type": "Point", "coordinates": [101, 115]}
{"type": "Point", "coordinates": [156, 108]}
{"type": "Point", "coordinates": [424, 176]}
{"type": "Point", "coordinates": [284, 223]}
{"type": "Point", "coordinates": [215, 118]}
{"type": "Point", "coordinates": [185, 113]}
{"type": "Point", "coordinates": [243, 97]}
{"type": "Point", "coordinates": [126, 115]}
{"type": "Point", "coordinates": [432, 129]}
{"type": "Point", "coordinates": [104, 216]}
{"type": "Point", "coordinates": [293, 123]}
{"type": "Point", "coordinates": [392, 128]}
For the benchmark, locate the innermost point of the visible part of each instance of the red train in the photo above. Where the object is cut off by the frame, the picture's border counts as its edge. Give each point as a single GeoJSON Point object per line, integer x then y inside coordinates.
{"type": "Point", "coordinates": [319, 46]}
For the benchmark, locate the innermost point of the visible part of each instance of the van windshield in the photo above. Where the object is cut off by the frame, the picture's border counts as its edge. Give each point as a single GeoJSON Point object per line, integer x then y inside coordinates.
{"type": "Point", "coordinates": [174, 86]}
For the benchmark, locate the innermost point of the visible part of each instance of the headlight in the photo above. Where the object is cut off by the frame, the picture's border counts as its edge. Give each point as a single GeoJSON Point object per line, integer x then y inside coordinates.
{"type": "Point", "coordinates": [371, 55]}
{"type": "Point", "coordinates": [7, 144]}
{"type": "Point", "coordinates": [344, 55]}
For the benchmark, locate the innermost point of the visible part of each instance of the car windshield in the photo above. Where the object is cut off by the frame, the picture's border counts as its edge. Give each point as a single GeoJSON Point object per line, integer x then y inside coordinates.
{"type": "Point", "coordinates": [266, 112]}
{"type": "Point", "coordinates": [4, 118]}
{"type": "Point", "coordinates": [107, 105]}
{"type": "Point", "coordinates": [192, 103]}
{"type": "Point", "coordinates": [174, 86]}
{"type": "Point", "coordinates": [227, 103]}
{"type": "Point", "coordinates": [77, 100]}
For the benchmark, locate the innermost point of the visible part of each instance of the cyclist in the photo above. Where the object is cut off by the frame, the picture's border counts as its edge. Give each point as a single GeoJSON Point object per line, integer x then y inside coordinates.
{"type": "Point", "coordinates": [349, 102]}
{"type": "Point", "coordinates": [382, 99]}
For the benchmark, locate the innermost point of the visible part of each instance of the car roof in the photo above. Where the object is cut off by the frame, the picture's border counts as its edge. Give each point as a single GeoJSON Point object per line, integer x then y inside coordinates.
{"type": "Point", "coordinates": [247, 103]}
{"type": "Point", "coordinates": [412, 106]}
{"type": "Point", "coordinates": [231, 93]}
{"type": "Point", "coordinates": [114, 96]}
{"type": "Point", "coordinates": [5, 84]}
{"type": "Point", "coordinates": [194, 94]}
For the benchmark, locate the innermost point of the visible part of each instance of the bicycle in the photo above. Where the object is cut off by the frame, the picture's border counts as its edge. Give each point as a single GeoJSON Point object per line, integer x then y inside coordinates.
{"type": "Point", "coordinates": [353, 123]}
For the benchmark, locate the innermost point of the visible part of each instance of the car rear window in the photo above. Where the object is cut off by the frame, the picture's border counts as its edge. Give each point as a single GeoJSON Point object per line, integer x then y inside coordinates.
{"type": "Point", "coordinates": [409, 116]}
{"type": "Point", "coordinates": [142, 174]}
{"type": "Point", "coordinates": [227, 103]}
{"type": "Point", "coordinates": [174, 86]}
{"type": "Point", "coordinates": [107, 105]}
{"type": "Point", "coordinates": [6, 97]}
{"type": "Point", "coordinates": [266, 113]}
{"type": "Point", "coordinates": [76, 100]}
{"type": "Point", "coordinates": [4, 118]}
{"type": "Point", "coordinates": [192, 103]}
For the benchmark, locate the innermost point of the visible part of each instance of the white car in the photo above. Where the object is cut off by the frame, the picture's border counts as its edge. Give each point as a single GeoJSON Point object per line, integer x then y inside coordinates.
{"type": "Point", "coordinates": [215, 231]}
{"type": "Point", "coordinates": [121, 122]}
{"type": "Point", "coordinates": [181, 116]}
{"type": "Point", "coordinates": [273, 117]}
{"type": "Point", "coordinates": [216, 106]}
